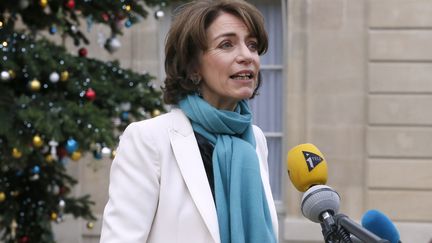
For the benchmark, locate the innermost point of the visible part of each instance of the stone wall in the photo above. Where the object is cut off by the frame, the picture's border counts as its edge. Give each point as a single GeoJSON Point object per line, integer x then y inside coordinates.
{"type": "Point", "coordinates": [359, 87]}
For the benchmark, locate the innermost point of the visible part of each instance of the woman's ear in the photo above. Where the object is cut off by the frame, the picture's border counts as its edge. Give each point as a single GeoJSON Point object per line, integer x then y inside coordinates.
{"type": "Point", "coordinates": [195, 78]}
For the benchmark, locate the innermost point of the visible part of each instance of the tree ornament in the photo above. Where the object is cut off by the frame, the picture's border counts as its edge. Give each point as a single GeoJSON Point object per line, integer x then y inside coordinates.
{"type": "Point", "coordinates": [2, 197]}
{"type": "Point", "coordinates": [89, 21]}
{"type": "Point", "coordinates": [124, 116]}
{"type": "Point", "coordinates": [53, 149]}
{"type": "Point", "coordinates": [75, 156]}
{"type": "Point", "coordinates": [155, 113]}
{"type": "Point", "coordinates": [12, 74]}
{"type": "Point", "coordinates": [106, 152]}
{"type": "Point", "coordinates": [54, 77]}
{"type": "Point", "coordinates": [127, 7]}
{"type": "Point", "coordinates": [53, 216]}
{"type": "Point", "coordinates": [36, 169]}
{"type": "Point", "coordinates": [16, 153]}
{"type": "Point", "coordinates": [34, 85]}
{"type": "Point", "coordinates": [63, 190]}
{"type": "Point", "coordinates": [24, 239]}
{"type": "Point", "coordinates": [13, 227]}
{"type": "Point", "coordinates": [125, 106]}
{"type": "Point", "coordinates": [64, 76]}
{"type": "Point", "coordinates": [43, 3]}
{"type": "Point", "coordinates": [70, 4]}
{"type": "Point", "coordinates": [62, 204]}
{"type": "Point", "coordinates": [90, 94]}
{"type": "Point", "coordinates": [159, 14]}
{"type": "Point", "coordinates": [61, 152]}
{"type": "Point", "coordinates": [5, 76]}
{"type": "Point", "coordinates": [74, 29]}
{"type": "Point", "coordinates": [97, 153]}
{"type": "Point", "coordinates": [128, 23]}
{"type": "Point", "coordinates": [90, 225]}
{"type": "Point", "coordinates": [37, 141]}
{"type": "Point", "coordinates": [49, 158]}
{"type": "Point", "coordinates": [82, 52]}
{"type": "Point", "coordinates": [105, 17]}
{"type": "Point", "coordinates": [71, 145]}
{"type": "Point", "coordinates": [23, 4]}
{"type": "Point", "coordinates": [34, 177]}
{"type": "Point", "coordinates": [112, 44]}
{"type": "Point", "coordinates": [53, 29]}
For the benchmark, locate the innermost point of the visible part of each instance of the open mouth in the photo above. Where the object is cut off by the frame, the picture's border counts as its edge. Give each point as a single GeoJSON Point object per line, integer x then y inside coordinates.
{"type": "Point", "coordinates": [242, 76]}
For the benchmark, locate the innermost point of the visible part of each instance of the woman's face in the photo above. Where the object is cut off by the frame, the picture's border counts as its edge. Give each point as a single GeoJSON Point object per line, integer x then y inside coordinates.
{"type": "Point", "coordinates": [229, 68]}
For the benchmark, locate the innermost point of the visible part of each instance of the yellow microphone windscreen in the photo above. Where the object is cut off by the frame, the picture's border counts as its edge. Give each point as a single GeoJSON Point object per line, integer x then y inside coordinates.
{"type": "Point", "coordinates": [306, 166]}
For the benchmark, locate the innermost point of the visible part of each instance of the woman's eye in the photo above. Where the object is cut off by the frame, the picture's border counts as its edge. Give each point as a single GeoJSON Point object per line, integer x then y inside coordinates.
{"type": "Point", "coordinates": [253, 46]}
{"type": "Point", "coordinates": [225, 45]}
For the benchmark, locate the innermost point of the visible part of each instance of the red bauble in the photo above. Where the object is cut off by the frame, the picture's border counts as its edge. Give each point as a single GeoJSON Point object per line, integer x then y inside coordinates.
{"type": "Point", "coordinates": [90, 94]}
{"type": "Point", "coordinates": [63, 190]}
{"type": "Point", "coordinates": [61, 152]}
{"type": "Point", "coordinates": [24, 239]}
{"type": "Point", "coordinates": [70, 4]}
{"type": "Point", "coordinates": [82, 52]}
{"type": "Point", "coordinates": [105, 17]}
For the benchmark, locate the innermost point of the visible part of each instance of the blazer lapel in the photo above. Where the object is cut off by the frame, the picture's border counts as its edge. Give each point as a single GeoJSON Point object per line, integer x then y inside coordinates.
{"type": "Point", "coordinates": [191, 166]}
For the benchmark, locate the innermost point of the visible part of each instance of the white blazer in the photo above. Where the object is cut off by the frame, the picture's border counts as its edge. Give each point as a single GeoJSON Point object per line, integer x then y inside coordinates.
{"type": "Point", "coordinates": [159, 191]}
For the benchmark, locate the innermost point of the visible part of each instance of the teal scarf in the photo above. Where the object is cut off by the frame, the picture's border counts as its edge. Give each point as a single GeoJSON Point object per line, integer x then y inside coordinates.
{"type": "Point", "coordinates": [241, 203]}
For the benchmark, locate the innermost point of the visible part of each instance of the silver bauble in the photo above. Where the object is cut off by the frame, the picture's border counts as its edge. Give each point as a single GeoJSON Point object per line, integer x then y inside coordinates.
{"type": "Point", "coordinates": [54, 77]}
{"type": "Point", "coordinates": [112, 44]}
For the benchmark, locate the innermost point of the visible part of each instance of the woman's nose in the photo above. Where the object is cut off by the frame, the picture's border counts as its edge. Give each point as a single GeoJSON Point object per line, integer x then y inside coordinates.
{"type": "Point", "coordinates": [244, 54]}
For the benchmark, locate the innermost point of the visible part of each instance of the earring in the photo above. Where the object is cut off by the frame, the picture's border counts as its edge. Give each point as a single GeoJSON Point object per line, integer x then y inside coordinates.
{"type": "Point", "coordinates": [195, 78]}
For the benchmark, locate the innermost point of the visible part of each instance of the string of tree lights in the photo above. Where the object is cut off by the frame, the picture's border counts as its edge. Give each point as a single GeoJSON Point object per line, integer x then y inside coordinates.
{"type": "Point", "coordinates": [56, 105]}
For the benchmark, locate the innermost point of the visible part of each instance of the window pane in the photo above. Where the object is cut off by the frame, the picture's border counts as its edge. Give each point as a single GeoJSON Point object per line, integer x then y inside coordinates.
{"type": "Point", "coordinates": [267, 106]}
{"type": "Point", "coordinates": [273, 23]}
{"type": "Point", "coordinates": [275, 166]}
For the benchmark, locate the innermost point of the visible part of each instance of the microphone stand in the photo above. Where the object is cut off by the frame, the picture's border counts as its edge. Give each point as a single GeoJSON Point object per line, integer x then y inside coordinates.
{"type": "Point", "coordinates": [333, 232]}
{"type": "Point", "coordinates": [338, 228]}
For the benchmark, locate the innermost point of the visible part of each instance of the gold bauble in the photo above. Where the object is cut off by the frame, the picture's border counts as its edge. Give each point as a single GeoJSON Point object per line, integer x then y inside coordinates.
{"type": "Point", "coordinates": [155, 112]}
{"type": "Point", "coordinates": [35, 85]}
{"type": "Point", "coordinates": [75, 156]}
{"type": "Point", "coordinates": [37, 141]}
{"type": "Point", "coordinates": [53, 216]}
{"type": "Point", "coordinates": [49, 158]}
{"type": "Point", "coordinates": [16, 153]}
{"type": "Point", "coordinates": [12, 73]}
{"type": "Point", "coordinates": [64, 76]}
{"type": "Point", "coordinates": [90, 225]}
{"type": "Point", "coordinates": [43, 3]}
{"type": "Point", "coordinates": [2, 196]}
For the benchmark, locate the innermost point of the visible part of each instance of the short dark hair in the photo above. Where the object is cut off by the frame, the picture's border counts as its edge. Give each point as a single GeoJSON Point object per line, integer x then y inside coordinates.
{"type": "Point", "coordinates": [187, 38]}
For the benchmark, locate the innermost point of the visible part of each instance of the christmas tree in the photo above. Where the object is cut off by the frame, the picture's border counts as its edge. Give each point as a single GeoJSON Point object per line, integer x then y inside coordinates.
{"type": "Point", "coordinates": [56, 105]}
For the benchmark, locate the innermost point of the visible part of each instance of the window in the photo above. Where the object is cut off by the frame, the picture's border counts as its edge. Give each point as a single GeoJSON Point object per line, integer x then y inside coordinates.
{"type": "Point", "coordinates": [267, 106]}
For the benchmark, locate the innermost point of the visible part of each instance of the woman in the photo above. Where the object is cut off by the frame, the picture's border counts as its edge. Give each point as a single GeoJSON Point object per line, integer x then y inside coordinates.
{"type": "Point", "coordinates": [199, 173]}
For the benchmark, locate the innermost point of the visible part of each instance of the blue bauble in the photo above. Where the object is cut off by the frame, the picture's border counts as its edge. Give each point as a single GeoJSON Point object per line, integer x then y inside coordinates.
{"type": "Point", "coordinates": [53, 30]}
{"type": "Point", "coordinates": [125, 116]}
{"type": "Point", "coordinates": [71, 145]}
{"type": "Point", "coordinates": [36, 169]}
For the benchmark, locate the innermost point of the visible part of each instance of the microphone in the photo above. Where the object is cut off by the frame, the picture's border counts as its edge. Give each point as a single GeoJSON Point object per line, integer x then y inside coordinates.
{"type": "Point", "coordinates": [379, 224]}
{"type": "Point", "coordinates": [306, 166]}
{"type": "Point", "coordinates": [307, 170]}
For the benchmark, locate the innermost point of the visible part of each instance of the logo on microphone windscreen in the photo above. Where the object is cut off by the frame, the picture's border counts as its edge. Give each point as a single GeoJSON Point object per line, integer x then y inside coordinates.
{"type": "Point", "coordinates": [312, 160]}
